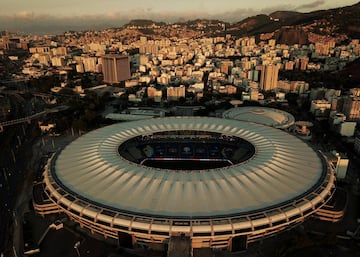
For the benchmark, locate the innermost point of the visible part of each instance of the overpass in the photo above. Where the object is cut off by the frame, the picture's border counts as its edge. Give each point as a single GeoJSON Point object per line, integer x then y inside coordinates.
{"type": "Point", "coordinates": [10, 81]}
{"type": "Point", "coordinates": [31, 117]}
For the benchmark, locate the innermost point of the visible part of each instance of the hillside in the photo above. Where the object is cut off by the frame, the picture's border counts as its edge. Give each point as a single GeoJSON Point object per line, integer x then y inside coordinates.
{"type": "Point", "coordinates": [291, 36]}
{"type": "Point", "coordinates": [250, 25]}
{"type": "Point", "coordinates": [286, 27]}
{"type": "Point", "coordinates": [284, 15]}
{"type": "Point", "coordinates": [351, 71]}
{"type": "Point", "coordinates": [295, 27]}
{"type": "Point", "coordinates": [143, 23]}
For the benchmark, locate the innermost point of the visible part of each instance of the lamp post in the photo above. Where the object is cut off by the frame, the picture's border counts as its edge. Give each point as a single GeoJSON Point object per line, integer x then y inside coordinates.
{"type": "Point", "coordinates": [76, 246]}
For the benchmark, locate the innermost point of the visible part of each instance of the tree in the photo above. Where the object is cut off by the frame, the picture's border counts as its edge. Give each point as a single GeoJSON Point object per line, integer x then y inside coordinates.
{"type": "Point", "coordinates": [80, 125]}
{"type": "Point", "coordinates": [62, 124]}
{"type": "Point", "coordinates": [90, 116]}
{"type": "Point", "coordinates": [45, 83]}
{"type": "Point", "coordinates": [292, 98]}
{"type": "Point", "coordinates": [35, 131]}
{"type": "Point", "coordinates": [66, 91]}
{"type": "Point", "coordinates": [182, 100]}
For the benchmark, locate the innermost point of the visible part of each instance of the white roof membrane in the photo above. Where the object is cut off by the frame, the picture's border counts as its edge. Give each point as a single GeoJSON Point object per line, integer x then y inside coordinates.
{"type": "Point", "coordinates": [261, 115]}
{"type": "Point", "coordinates": [282, 169]}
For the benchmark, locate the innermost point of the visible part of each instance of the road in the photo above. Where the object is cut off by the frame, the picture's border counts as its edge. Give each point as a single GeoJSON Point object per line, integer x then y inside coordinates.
{"type": "Point", "coordinates": [31, 117]}
{"type": "Point", "coordinates": [11, 177]}
{"type": "Point", "coordinates": [14, 146]}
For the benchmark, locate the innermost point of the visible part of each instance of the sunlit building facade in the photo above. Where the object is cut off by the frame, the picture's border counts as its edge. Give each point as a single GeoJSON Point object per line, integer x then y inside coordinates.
{"type": "Point", "coordinates": [115, 68]}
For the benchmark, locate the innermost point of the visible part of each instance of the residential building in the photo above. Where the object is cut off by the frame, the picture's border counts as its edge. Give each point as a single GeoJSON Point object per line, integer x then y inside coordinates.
{"type": "Point", "coordinates": [269, 77]}
{"type": "Point", "coordinates": [115, 68]}
{"type": "Point", "coordinates": [320, 108]}
{"type": "Point", "coordinates": [174, 93]}
{"type": "Point", "coordinates": [351, 108]}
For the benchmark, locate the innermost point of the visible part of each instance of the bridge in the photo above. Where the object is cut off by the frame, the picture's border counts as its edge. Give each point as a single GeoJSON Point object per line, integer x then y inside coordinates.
{"type": "Point", "coordinates": [31, 117]}
{"type": "Point", "coordinates": [10, 81]}
{"type": "Point", "coordinates": [43, 96]}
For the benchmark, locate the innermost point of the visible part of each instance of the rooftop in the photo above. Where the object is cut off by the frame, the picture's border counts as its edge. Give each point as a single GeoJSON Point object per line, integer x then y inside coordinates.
{"type": "Point", "coordinates": [261, 115]}
{"type": "Point", "coordinates": [90, 167]}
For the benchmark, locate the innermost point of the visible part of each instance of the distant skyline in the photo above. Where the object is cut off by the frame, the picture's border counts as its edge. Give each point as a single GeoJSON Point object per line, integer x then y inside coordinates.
{"type": "Point", "coordinates": [50, 16]}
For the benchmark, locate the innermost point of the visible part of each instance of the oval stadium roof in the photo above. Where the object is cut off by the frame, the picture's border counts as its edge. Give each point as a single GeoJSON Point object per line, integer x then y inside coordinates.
{"type": "Point", "coordinates": [261, 115]}
{"type": "Point", "coordinates": [283, 168]}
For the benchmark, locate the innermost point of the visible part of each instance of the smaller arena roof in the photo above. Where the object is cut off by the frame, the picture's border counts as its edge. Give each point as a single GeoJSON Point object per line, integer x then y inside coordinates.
{"type": "Point", "coordinates": [261, 115]}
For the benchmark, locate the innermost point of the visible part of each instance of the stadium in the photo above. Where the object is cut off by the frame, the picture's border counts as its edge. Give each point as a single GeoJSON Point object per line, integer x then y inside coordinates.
{"type": "Point", "coordinates": [222, 183]}
{"type": "Point", "coordinates": [262, 115]}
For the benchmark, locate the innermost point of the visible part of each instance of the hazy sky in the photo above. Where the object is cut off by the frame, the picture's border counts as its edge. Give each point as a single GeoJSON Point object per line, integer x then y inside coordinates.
{"type": "Point", "coordinates": [43, 16]}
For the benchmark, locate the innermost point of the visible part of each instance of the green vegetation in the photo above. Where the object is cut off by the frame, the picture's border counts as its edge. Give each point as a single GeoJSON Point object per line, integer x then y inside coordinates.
{"type": "Point", "coordinates": [44, 83]}
{"type": "Point", "coordinates": [315, 79]}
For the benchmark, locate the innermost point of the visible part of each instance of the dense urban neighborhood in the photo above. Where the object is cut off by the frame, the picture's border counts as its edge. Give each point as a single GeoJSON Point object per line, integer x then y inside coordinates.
{"type": "Point", "coordinates": [296, 73]}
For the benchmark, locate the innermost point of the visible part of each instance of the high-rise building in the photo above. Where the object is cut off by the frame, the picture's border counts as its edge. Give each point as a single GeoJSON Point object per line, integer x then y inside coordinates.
{"type": "Point", "coordinates": [351, 108]}
{"type": "Point", "coordinates": [272, 42]}
{"type": "Point", "coordinates": [143, 40]}
{"type": "Point", "coordinates": [44, 59]}
{"type": "Point", "coordinates": [115, 68]}
{"type": "Point", "coordinates": [59, 51]}
{"type": "Point", "coordinates": [320, 108]}
{"type": "Point", "coordinates": [355, 92]}
{"type": "Point", "coordinates": [289, 65]}
{"type": "Point", "coordinates": [154, 93]}
{"type": "Point", "coordinates": [58, 61]}
{"type": "Point", "coordinates": [174, 93]}
{"type": "Point", "coordinates": [304, 63]}
{"type": "Point", "coordinates": [89, 63]}
{"type": "Point", "coordinates": [225, 66]}
{"type": "Point", "coordinates": [269, 77]}
{"type": "Point", "coordinates": [80, 68]}
{"type": "Point", "coordinates": [254, 93]}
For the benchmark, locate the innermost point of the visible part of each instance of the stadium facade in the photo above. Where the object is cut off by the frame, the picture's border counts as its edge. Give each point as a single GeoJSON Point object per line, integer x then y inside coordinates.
{"type": "Point", "coordinates": [100, 181]}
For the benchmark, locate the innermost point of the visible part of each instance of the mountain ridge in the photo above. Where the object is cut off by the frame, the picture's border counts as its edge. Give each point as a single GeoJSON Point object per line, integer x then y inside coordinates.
{"type": "Point", "coordinates": [290, 27]}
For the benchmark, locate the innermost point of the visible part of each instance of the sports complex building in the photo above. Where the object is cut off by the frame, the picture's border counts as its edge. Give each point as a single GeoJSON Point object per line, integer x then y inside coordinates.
{"type": "Point", "coordinates": [222, 183]}
{"type": "Point", "coordinates": [262, 115]}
